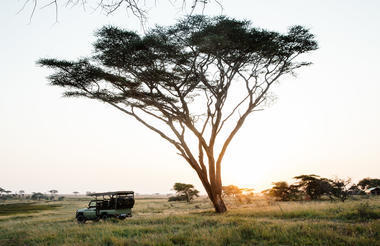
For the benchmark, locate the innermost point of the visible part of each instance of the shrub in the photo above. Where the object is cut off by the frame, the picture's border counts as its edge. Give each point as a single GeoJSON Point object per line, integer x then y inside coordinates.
{"type": "Point", "coordinates": [363, 211]}
{"type": "Point", "coordinates": [177, 198]}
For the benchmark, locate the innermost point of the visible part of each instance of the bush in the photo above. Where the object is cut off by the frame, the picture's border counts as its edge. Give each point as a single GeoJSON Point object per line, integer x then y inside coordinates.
{"type": "Point", "coordinates": [177, 198]}
{"type": "Point", "coordinates": [363, 211]}
{"type": "Point", "coordinates": [39, 196]}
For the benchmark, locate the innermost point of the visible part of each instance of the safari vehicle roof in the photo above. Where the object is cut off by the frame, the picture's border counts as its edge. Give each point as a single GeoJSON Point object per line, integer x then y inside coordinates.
{"type": "Point", "coordinates": [110, 193]}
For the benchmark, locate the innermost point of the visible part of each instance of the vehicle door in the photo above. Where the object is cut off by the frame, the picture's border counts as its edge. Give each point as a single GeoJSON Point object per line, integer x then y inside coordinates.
{"type": "Point", "coordinates": [90, 213]}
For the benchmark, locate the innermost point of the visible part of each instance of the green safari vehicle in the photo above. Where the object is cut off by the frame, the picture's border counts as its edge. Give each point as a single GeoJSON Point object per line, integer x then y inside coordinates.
{"type": "Point", "coordinates": [117, 204]}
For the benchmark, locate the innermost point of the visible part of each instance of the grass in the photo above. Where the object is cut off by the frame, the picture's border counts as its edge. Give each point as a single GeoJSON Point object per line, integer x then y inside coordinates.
{"type": "Point", "coordinates": [158, 222]}
{"type": "Point", "coordinates": [26, 207]}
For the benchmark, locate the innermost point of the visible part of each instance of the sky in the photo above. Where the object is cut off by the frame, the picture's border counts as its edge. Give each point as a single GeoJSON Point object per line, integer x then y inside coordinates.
{"type": "Point", "coordinates": [325, 121]}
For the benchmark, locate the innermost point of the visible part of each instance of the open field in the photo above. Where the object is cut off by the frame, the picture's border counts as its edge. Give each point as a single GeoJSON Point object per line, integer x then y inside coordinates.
{"type": "Point", "coordinates": [158, 222]}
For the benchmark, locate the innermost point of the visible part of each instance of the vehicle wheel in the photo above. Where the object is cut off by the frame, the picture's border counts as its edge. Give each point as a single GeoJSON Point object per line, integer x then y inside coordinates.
{"type": "Point", "coordinates": [104, 217]}
{"type": "Point", "coordinates": [81, 219]}
{"type": "Point", "coordinates": [122, 217]}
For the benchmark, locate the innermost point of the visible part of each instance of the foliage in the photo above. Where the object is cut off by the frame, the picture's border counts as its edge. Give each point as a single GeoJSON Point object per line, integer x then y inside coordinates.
{"type": "Point", "coordinates": [362, 212]}
{"type": "Point", "coordinates": [159, 77]}
{"type": "Point", "coordinates": [7, 195]}
{"type": "Point", "coordinates": [355, 190]}
{"type": "Point", "coordinates": [242, 195]}
{"type": "Point", "coordinates": [367, 183]}
{"type": "Point", "coordinates": [39, 196]}
{"type": "Point", "coordinates": [137, 8]}
{"type": "Point", "coordinates": [314, 186]}
{"type": "Point", "coordinates": [283, 192]}
{"type": "Point", "coordinates": [231, 190]}
{"type": "Point", "coordinates": [185, 192]}
{"type": "Point", "coordinates": [340, 188]}
{"type": "Point", "coordinates": [177, 198]}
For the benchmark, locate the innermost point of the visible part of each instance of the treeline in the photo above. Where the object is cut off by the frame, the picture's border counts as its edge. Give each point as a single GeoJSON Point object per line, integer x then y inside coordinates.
{"type": "Point", "coordinates": [8, 195]}
{"type": "Point", "coordinates": [314, 187]}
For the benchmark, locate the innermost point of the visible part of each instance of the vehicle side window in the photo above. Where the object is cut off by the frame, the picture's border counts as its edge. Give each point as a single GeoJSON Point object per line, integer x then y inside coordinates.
{"type": "Point", "coordinates": [92, 205]}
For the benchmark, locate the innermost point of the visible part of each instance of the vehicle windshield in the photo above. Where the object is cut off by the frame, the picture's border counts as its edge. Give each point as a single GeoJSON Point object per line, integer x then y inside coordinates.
{"type": "Point", "coordinates": [92, 204]}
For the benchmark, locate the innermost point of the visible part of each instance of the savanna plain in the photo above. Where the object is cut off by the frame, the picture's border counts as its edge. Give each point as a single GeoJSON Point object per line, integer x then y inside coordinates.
{"type": "Point", "coordinates": [156, 221]}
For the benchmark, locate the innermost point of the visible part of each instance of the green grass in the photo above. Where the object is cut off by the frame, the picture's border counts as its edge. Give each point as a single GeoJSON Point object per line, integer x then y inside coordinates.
{"type": "Point", "coordinates": [22, 208]}
{"type": "Point", "coordinates": [158, 222]}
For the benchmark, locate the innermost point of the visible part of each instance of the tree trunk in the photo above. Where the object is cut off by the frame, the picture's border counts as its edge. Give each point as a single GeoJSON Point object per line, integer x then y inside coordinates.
{"type": "Point", "coordinates": [213, 194]}
{"type": "Point", "coordinates": [187, 196]}
{"type": "Point", "coordinates": [218, 203]}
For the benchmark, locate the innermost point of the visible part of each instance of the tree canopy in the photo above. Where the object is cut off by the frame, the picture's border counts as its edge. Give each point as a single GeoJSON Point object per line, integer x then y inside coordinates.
{"type": "Point", "coordinates": [137, 8]}
{"type": "Point", "coordinates": [198, 79]}
{"type": "Point", "coordinates": [367, 183]}
{"type": "Point", "coordinates": [231, 190]}
{"type": "Point", "coordinates": [282, 191]}
{"type": "Point", "coordinates": [185, 191]}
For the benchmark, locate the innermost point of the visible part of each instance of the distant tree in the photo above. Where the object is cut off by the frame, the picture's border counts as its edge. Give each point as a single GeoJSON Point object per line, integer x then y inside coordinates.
{"type": "Point", "coordinates": [76, 193]}
{"type": "Point", "coordinates": [239, 194]}
{"type": "Point", "coordinates": [38, 196]}
{"type": "Point", "coordinates": [367, 183]}
{"type": "Point", "coordinates": [314, 186]}
{"type": "Point", "coordinates": [355, 190]}
{"type": "Point", "coordinates": [231, 191]}
{"type": "Point", "coordinates": [22, 193]}
{"type": "Point", "coordinates": [8, 192]}
{"type": "Point", "coordinates": [283, 192]}
{"type": "Point", "coordinates": [340, 188]}
{"type": "Point", "coordinates": [177, 198]}
{"type": "Point", "coordinates": [1, 191]}
{"type": "Point", "coordinates": [186, 191]}
{"type": "Point", "coordinates": [178, 82]}
{"type": "Point", "coordinates": [53, 192]}
{"type": "Point", "coordinates": [247, 191]}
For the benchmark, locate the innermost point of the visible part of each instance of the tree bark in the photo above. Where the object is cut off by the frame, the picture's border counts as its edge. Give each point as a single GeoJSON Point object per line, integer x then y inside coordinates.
{"type": "Point", "coordinates": [214, 194]}
{"type": "Point", "coordinates": [219, 205]}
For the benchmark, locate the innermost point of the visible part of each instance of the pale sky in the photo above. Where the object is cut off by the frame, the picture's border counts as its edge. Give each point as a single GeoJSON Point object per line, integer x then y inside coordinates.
{"type": "Point", "coordinates": [325, 121]}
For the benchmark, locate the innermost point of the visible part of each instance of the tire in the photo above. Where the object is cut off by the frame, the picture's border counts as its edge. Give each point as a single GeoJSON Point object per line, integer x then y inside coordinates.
{"type": "Point", "coordinates": [104, 217]}
{"type": "Point", "coordinates": [81, 219]}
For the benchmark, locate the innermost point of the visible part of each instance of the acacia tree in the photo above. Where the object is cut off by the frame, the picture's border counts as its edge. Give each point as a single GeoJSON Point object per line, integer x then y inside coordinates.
{"type": "Point", "coordinates": [53, 192]}
{"type": "Point", "coordinates": [314, 186]}
{"type": "Point", "coordinates": [231, 190]}
{"type": "Point", "coordinates": [197, 80]}
{"type": "Point", "coordinates": [340, 188]}
{"type": "Point", "coordinates": [138, 8]}
{"type": "Point", "coordinates": [367, 183]}
{"type": "Point", "coordinates": [282, 191]}
{"type": "Point", "coordinates": [22, 193]}
{"type": "Point", "coordinates": [186, 190]}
